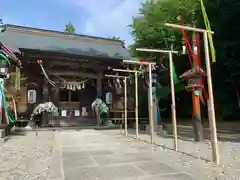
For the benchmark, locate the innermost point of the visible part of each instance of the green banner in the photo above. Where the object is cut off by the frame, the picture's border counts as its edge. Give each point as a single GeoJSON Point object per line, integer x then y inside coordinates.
{"type": "Point", "coordinates": [208, 27]}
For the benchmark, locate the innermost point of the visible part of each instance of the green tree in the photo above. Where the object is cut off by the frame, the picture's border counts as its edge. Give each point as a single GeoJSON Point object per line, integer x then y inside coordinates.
{"type": "Point", "coordinates": [115, 38]}
{"type": "Point", "coordinates": [69, 28]}
{"type": "Point", "coordinates": [149, 31]}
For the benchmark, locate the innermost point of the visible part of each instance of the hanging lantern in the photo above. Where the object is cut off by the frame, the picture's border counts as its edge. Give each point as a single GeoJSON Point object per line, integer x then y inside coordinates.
{"type": "Point", "coordinates": [4, 70]}
{"type": "Point", "coordinates": [108, 98]}
{"type": "Point", "coordinates": [32, 96]}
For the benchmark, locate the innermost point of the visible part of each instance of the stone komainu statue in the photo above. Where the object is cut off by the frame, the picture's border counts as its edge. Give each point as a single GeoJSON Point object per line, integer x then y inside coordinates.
{"type": "Point", "coordinates": [43, 107]}
{"type": "Point", "coordinates": [100, 110]}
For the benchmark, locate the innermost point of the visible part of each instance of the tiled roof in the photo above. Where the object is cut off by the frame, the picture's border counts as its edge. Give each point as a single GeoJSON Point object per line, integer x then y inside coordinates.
{"type": "Point", "coordinates": [17, 37]}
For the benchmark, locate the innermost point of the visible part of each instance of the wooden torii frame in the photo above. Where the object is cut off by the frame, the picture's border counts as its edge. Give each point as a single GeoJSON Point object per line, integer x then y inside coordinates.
{"type": "Point", "coordinates": [125, 100]}
{"type": "Point", "coordinates": [211, 111]}
{"type": "Point", "coordinates": [136, 96]}
{"type": "Point", "coordinates": [173, 106]}
{"type": "Point", "coordinates": [149, 65]}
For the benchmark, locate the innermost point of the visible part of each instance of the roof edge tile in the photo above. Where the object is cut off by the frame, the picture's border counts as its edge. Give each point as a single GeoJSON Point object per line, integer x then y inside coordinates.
{"type": "Point", "coordinates": [64, 35]}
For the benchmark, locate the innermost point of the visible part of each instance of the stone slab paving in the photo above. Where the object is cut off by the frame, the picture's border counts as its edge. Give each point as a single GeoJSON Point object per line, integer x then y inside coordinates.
{"type": "Point", "coordinates": [107, 155]}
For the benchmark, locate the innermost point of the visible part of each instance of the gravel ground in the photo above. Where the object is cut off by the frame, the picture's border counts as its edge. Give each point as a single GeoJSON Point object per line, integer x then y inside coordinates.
{"type": "Point", "coordinates": [26, 156]}
{"type": "Point", "coordinates": [191, 154]}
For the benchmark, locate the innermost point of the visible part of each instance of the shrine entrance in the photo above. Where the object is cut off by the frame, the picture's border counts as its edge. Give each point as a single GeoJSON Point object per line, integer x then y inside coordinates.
{"type": "Point", "coordinates": [75, 98]}
{"type": "Point", "coordinates": [78, 83]}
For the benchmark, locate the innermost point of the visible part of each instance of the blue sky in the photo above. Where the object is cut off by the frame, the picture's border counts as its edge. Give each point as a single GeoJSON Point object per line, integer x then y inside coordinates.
{"type": "Point", "coordinates": [103, 18]}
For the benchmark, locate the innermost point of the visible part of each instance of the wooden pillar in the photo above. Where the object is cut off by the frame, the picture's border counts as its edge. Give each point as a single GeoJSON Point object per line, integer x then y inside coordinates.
{"type": "Point", "coordinates": [99, 85]}
{"type": "Point", "coordinates": [136, 105]}
{"type": "Point", "coordinates": [45, 91]}
{"type": "Point", "coordinates": [55, 96]}
{"type": "Point", "coordinates": [173, 105]}
{"type": "Point", "coordinates": [45, 99]}
{"type": "Point", "coordinates": [152, 133]}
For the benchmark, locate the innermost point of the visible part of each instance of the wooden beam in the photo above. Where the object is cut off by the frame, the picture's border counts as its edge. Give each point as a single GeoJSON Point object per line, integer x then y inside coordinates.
{"type": "Point", "coordinates": [138, 62]}
{"type": "Point", "coordinates": [69, 57]}
{"type": "Point", "coordinates": [71, 62]}
{"type": "Point", "coordinates": [126, 70]}
{"type": "Point", "coordinates": [156, 50]}
{"type": "Point", "coordinates": [188, 28]}
{"type": "Point", "coordinates": [69, 65]}
{"type": "Point", "coordinates": [74, 73]}
{"type": "Point", "coordinates": [115, 76]}
{"type": "Point", "coordinates": [65, 63]}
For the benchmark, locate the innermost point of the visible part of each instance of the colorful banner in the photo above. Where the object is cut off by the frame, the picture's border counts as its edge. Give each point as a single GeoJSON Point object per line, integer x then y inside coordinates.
{"type": "Point", "coordinates": [208, 27]}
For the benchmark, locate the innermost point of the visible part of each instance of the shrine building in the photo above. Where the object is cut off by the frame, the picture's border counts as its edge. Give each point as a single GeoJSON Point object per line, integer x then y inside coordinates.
{"type": "Point", "coordinates": [75, 63]}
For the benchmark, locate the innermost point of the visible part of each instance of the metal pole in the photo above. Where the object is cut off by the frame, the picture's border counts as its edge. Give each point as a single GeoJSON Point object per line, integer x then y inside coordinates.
{"type": "Point", "coordinates": [215, 151]}
{"type": "Point", "coordinates": [151, 104]}
{"type": "Point", "coordinates": [136, 104]}
{"type": "Point", "coordinates": [125, 106]}
{"type": "Point", "coordinates": [173, 106]}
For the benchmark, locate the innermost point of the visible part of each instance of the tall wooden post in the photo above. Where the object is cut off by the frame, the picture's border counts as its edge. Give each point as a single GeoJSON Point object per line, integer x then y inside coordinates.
{"type": "Point", "coordinates": [173, 106]}
{"type": "Point", "coordinates": [45, 99]}
{"type": "Point", "coordinates": [125, 107]}
{"type": "Point", "coordinates": [136, 105]}
{"type": "Point", "coordinates": [212, 119]}
{"type": "Point", "coordinates": [151, 123]}
{"type": "Point", "coordinates": [155, 104]}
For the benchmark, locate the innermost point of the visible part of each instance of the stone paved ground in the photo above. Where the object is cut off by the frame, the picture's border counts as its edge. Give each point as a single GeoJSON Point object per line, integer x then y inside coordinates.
{"type": "Point", "coordinates": [107, 155]}
{"type": "Point", "coordinates": [25, 156]}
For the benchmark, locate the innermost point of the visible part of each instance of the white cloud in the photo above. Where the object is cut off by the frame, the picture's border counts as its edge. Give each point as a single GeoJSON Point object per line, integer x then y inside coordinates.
{"type": "Point", "coordinates": [107, 18]}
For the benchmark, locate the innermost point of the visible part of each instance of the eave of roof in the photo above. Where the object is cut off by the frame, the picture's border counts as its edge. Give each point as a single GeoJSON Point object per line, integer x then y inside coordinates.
{"type": "Point", "coordinates": [10, 54]}
{"type": "Point", "coordinates": [16, 37]}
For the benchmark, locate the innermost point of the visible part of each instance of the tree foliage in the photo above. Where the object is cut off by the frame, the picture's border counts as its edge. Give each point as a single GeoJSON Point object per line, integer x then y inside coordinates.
{"type": "Point", "coordinates": [115, 38]}
{"type": "Point", "coordinates": [149, 31]}
{"type": "Point", "coordinates": [69, 28]}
